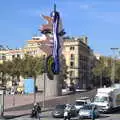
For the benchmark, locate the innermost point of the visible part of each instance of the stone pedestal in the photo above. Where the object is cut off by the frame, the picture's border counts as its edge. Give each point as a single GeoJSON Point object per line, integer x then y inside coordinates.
{"type": "Point", "coordinates": [51, 86]}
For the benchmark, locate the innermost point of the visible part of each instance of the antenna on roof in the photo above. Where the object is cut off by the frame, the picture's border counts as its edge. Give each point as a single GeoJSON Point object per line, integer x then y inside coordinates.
{"type": "Point", "coordinates": [54, 6]}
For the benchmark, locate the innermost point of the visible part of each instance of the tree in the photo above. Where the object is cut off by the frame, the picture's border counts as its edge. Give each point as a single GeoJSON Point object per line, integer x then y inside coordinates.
{"type": "Point", "coordinates": [5, 69]}
{"type": "Point", "coordinates": [2, 73]}
{"type": "Point", "coordinates": [32, 66]}
{"type": "Point", "coordinates": [63, 69]}
{"type": "Point", "coordinates": [117, 71]}
{"type": "Point", "coordinates": [102, 70]}
{"type": "Point", "coordinates": [16, 68]}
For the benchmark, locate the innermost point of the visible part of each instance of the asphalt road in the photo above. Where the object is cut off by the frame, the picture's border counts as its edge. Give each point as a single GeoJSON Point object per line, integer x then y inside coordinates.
{"type": "Point", "coordinates": [47, 116]}
{"type": "Point", "coordinates": [59, 100]}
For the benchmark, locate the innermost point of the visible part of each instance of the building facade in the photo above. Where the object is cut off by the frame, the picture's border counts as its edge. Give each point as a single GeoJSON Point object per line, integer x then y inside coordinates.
{"type": "Point", "coordinates": [79, 59]}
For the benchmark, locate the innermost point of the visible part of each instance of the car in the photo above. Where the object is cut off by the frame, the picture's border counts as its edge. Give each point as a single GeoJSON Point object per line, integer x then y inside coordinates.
{"type": "Point", "coordinates": [79, 103]}
{"type": "Point", "coordinates": [87, 111]}
{"type": "Point", "coordinates": [58, 112]}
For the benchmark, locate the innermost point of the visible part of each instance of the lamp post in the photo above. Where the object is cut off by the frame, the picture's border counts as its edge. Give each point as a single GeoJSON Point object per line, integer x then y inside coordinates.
{"type": "Point", "coordinates": [113, 65]}
{"type": "Point", "coordinates": [44, 77]}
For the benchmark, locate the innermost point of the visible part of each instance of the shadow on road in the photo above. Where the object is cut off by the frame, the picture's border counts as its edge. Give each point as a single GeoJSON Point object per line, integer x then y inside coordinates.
{"type": "Point", "coordinates": [12, 116]}
{"type": "Point", "coordinates": [116, 111]}
{"type": "Point", "coordinates": [104, 116]}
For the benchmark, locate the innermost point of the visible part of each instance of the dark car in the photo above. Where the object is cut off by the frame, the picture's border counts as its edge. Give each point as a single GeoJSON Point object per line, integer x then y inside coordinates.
{"type": "Point", "coordinates": [58, 112]}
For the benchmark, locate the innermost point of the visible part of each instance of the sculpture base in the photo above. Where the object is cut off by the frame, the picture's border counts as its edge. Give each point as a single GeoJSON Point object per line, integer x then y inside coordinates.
{"type": "Point", "coordinates": [52, 87]}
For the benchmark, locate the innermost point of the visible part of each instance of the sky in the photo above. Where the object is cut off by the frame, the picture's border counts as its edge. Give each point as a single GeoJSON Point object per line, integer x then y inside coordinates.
{"type": "Point", "coordinates": [99, 20]}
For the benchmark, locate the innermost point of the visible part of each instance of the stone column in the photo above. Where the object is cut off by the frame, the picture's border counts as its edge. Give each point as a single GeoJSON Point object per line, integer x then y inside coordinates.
{"type": "Point", "coordinates": [50, 87]}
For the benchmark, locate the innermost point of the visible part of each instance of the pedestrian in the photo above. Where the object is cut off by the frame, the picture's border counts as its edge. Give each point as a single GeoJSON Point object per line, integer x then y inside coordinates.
{"type": "Point", "coordinates": [93, 113]}
{"type": "Point", "coordinates": [67, 114]}
{"type": "Point", "coordinates": [34, 110]}
{"type": "Point", "coordinates": [39, 110]}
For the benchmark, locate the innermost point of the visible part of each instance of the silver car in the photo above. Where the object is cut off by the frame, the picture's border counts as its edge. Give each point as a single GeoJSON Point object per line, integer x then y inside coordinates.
{"type": "Point", "coordinates": [79, 103]}
{"type": "Point", "coordinates": [87, 111]}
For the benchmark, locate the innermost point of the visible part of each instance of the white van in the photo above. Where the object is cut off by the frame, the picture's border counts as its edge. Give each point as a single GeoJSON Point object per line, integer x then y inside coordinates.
{"type": "Point", "coordinates": [107, 98]}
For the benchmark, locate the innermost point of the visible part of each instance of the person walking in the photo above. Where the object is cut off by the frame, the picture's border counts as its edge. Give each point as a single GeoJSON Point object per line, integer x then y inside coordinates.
{"type": "Point", "coordinates": [67, 114]}
{"type": "Point", "coordinates": [34, 110]}
{"type": "Point", "coordinates": [38, 111]}
{"type": "Point", "coordinates": [93, 113]}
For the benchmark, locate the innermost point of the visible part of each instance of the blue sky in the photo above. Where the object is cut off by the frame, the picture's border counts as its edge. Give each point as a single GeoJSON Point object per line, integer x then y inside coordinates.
{"type": "Point", "coordinates": [97, 19]}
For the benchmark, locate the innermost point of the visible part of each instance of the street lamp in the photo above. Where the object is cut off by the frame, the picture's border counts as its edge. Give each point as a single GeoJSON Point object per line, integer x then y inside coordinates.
{"type": "Point", "coordinates": [44, 77]}
{"type": "Point", "coordinates": [113, 65]}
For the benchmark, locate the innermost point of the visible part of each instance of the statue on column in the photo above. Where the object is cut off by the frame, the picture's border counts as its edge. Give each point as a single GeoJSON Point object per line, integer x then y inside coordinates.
{"type": "Point", "coordinates": [53, 45]}
{"type": "Point", "coordinates": [53, 31]}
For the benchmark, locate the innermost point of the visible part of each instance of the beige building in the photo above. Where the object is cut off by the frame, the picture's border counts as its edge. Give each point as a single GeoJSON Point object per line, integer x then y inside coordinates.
{"type": "Point", "coordinates": [79, 59]}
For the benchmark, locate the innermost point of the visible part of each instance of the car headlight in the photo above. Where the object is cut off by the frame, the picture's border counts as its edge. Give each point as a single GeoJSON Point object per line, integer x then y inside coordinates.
{"type": "Point", "coordinates": [80, 112]}
{"type": "Point", "coordinates": [108, 106]}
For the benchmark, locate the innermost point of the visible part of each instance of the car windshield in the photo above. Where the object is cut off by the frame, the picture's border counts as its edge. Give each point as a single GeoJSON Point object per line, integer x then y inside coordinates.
{"type": "Point", "coordinates": [100, 99]}
{"type": "Point", "coordinates": [60, 107]}
{"type": "Point", "coordinates": [79, 103]}
{"type": "Point", "coordinates": [87, 107]}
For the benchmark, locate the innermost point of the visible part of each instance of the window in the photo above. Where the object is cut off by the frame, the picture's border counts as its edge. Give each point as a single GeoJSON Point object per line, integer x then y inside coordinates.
{"type": "Point", "coordinates": [72, 48]}
{"type": "Point", "coordinates": [18, 56]}
{"type": "Point", "coordinates": [71, 64]}
{"type": "Point", "coordinates": [13, 56]}
{"type": "Point", "coordinates": [3, 57]}
{"type": "Point", "coordinates": [72, 57]}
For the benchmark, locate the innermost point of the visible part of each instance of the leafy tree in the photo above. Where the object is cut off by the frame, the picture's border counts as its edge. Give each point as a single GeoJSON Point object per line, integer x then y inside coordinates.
{"type": "Point", "coordinates": [117, 71]}
{"type": "Point", "coordinates": [5, 69]}
{"type": "Point", "coordinates": [102, 70]}
{"type": "Point", "coordinates": [16, 68]}
{"type": "Point", "coordinates": [63, 68]}
{"type": "Point", "coordinates": [32, 66]}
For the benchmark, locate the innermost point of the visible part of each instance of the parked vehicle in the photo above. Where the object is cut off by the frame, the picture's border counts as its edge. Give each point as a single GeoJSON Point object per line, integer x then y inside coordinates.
{"type": "Point", "coordinates": [107, 98]}
{"type": "Point", "coordinates": [58, 112]}
{"type": "Point", "coordinates": [87, 111]}
{"type": "Point", "coordinates": [72, 88]}
{"type": "Point", "coordinates": [79, 103]}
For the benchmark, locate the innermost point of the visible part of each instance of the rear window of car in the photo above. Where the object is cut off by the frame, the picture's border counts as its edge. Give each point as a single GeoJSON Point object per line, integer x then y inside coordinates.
{"type": "Point", "coordinates": [87, 107]}
{"type": "Point", "coordinates": [80, 103]}
{"type": "Point", "coordinates": [60, 106]}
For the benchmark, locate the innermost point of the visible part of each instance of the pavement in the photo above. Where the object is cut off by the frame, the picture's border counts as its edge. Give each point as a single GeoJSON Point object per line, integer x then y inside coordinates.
{"type": "Point", "coordinates": [24, 107]}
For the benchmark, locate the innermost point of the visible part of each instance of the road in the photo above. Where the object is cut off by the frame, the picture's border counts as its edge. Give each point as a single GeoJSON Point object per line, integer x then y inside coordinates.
{"type": "Point", "coordinates": [47, 116]}
{"type": "Point", "coordinates": [52, 102]}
